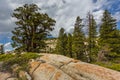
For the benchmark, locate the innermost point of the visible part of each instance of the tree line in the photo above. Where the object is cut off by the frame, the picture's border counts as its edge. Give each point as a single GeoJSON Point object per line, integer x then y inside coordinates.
{"type": "Point", "coordinates": [98, 44]}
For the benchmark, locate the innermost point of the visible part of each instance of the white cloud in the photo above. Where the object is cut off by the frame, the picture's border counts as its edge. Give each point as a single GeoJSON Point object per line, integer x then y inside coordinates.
{"type": "Point", "coordinates": [8, 47]}
{"type": "Point", "coordinates": [66, 13]}
{"type": "Point", "coordinates": [98, 15]}
{"type": "Point", "coordinates": [63, 11]}
{"type": "Point", "coordinates": [117, 16]}
{"type": "Point", "coordinates": [7, 44]}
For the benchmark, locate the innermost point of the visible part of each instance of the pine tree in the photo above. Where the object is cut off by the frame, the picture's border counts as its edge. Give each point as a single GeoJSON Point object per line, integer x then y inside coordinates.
{"type": "Point", "coordinates": [69, 45]}
{"type": "Point", "coordinates": [1, 49]}
{"type": "Point", "coordinates": [109, 34]}
{"type": "Point", "coordinates": [78, 40]}
{"type": "Point", "coordinates": [62, 42]}
{"type": "Point", "coordinates": [92, 35]}
{"type": "Point", "coordinates": [32, 29]}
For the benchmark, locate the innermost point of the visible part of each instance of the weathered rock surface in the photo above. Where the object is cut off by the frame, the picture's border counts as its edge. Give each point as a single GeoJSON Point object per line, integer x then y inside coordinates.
{"type": "Point", "coordinates": [57, 67]}
{"type": "Point", "coordinates": [6, 76]}
{"type": "Point", "coordinates": [12, 79]}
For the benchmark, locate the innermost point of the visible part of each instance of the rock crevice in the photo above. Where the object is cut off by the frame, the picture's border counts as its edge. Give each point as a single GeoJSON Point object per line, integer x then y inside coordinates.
{"type": "Point", "coordinates": [58, 67]}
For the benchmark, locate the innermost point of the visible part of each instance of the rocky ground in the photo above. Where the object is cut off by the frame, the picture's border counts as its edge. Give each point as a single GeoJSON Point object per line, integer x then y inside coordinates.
{"type": "Point", "coordinates": [58, 67]}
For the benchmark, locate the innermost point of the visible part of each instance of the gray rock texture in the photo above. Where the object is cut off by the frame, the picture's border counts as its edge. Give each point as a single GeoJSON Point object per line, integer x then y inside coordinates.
{"type": "Point", "coordinates": [58, 67]}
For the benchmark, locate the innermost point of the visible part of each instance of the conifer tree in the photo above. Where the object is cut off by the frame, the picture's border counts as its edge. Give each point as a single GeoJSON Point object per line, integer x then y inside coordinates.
{"type": "Point", "coordinates": [109, 34]}
{"type": "Point", "coordinates": [92, 35]}
{"type": "Point", "coordinates": [78, 40]}
{"type": "Point", "coordinates": [69, 45]}
{"type": "Point", "coordinates": [1, 49]}
{"type": "Point", "coordinates": [61, 42]}
{"type": "Point", "coordinates": [32, 29]}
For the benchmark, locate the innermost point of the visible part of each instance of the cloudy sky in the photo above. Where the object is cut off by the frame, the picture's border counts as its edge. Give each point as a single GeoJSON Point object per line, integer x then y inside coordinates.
{"type": "Point", "coordinates": [63, 11]}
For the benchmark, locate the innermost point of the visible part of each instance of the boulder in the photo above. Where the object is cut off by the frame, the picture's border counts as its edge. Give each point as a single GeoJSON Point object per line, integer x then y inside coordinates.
{"type": "Point", "coordinates": [23, 75]}
{"type": "Point", "coordinates": [58, 67]}
{"type": "Point", "coordinates": [12, 79]}
{"type": "Point", "coordinates": [4, 75]}
{"type": "Point", "coordinates": [45, 71]}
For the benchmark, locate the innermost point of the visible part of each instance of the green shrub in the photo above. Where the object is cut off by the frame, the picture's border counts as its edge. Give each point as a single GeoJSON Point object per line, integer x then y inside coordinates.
{"type": "Point", "coordinates": [110, 65]}
{"type": "Point", "coordinates": [4, 57]}
{"type": "Point", "coordinates": [21, 59]}
{"type": "Point", "coordinates": [115, 67]}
